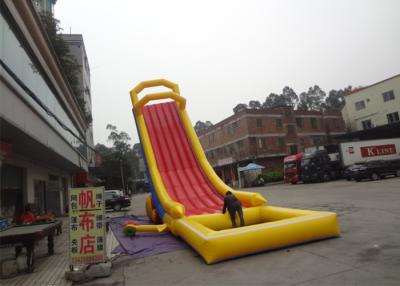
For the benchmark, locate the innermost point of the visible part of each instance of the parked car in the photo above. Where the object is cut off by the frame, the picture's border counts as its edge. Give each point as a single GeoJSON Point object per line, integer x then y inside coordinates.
{"type": "Point", "coordinates": [116, 200]}
{"type": "Point", "coordinates": [377, 169]}
{"type": "Point", "coordinates": [348, 172]}
{"type": "Point", "coordinates": [117, 192]}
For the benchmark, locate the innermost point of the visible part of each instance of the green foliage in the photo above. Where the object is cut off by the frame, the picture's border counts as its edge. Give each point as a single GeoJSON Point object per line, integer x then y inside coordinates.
{"type": "Point", "coordinates": [313, 99]}
{"type": "Point", "coordinates": [201, 126]}
{"type": "Point", "coordinates": [69, 64]}
{"type": "Point", "coordinates": [255, 104]}
{"type": "Point", "coordinates": [239, 107]}
{"type": "Point", "coordinates": [287, 98]}
{"type": "Point", "coordinates": [273, 176]}
{"type": "Point", "coordinates": [335, 99]}
{"type": "Point", "coordinates": [119, 156]}
{"type": "Point", "coordinates": [119, 140]}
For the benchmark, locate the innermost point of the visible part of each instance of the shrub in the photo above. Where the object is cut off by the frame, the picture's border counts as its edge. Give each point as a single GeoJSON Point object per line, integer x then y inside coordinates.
{"type": "Point", "coordinates": [272, 176]}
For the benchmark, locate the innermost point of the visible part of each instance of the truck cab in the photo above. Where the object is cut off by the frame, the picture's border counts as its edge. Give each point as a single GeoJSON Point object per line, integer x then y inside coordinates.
{"type": "Point", "coordinates": [292, 168]}
{"type": "Point", "coordinates": [317, 166]}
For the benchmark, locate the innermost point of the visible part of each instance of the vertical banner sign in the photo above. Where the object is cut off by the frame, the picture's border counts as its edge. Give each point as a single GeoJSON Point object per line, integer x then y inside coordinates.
{"type": "Point", "coordinates": [87, 243]}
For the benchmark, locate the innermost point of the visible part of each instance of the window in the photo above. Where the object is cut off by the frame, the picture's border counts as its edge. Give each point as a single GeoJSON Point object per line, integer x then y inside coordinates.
{"type": "Point", "coordinates": [290, 129]}
{"type": "Point", "coordinates": [239, 144]}
{"type": "Point", "coordinates": [359, 105]}
{"type": "Point", "coordinates": [366, 124]}
{"type": "Point", "coordinates": [302, 142]}
{"type": "Point", "coordinates": [261, 143]}
{"type": "Point", "coordinates": [317, 140]}
{"type": "Point", "coordinates": [233, 127]}
{"type": "Point", "coordinates": [393, 117]}
{"type": "Point", "coordinates": [226, 150]}
{"type": "Point", "coordinates": [314, 123]}
{"type": "Point", "coordinates": [278, 123]}
{"type": "Point", "coordinates": [336, 122]}
{"type": "Point", "coordinates": [299, 122]}
{"type": "Point", "coordinates": [389, 95]}
{"type": "Point", "coordinates": [259, 122]}
{"type": "Point", "coordinates": [281, 142]}
{"type": "Point", "coordinates": [293, 149]}
{"type": "Point", "coordinates": [211, 138]}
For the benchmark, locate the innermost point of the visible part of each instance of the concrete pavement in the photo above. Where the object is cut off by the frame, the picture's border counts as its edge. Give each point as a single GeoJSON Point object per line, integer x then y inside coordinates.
{"type": "Point", "coordinates": [367, 253]}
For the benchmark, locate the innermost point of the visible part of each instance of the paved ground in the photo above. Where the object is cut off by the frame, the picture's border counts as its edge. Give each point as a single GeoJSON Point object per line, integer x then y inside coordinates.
{"type": "Point", "coordinates": [367, 253]}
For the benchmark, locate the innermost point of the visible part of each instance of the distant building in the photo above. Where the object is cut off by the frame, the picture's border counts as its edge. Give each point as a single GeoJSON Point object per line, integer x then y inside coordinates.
{"type": "Point", "coordinates": [77, 49]}
{"type": "Point", "coordinates": [373, 106]}
{"type": "Point", "coordinates": [43, 149]}
{"type": "Point", "coordinates": [265, 136]}
{"type": "Point", "coordinates": [44, 5]}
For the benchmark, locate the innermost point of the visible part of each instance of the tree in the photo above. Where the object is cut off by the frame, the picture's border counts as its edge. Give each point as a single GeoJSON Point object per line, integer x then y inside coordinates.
{"type": "Point", "coordinates": [119, 140]}
{"type": "Point", "coordinates": [312, 100]}
{"type": "Point", "coordinates": [288, 97]}
{"type": "Point", "coordinates": [335, 99]}
{"type": "Point", "coordinates": [201, 126]}
{"type": "Point", "coordinates": [254, 104]}
{"type": "Point", "coordinates": [120, 164]}
{"type": "Point", "coordinates": [239, 107]}
{"type": "Point", "coordinates": [272, 100]}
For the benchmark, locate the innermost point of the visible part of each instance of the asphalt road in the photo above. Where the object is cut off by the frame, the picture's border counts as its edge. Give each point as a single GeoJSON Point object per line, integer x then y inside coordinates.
{"type": "Point", "coordinates": [367, 253]}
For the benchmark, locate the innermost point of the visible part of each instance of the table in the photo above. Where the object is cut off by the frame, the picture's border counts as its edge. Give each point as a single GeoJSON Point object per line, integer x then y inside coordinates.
{"type": "Point", "coordinates": [28, 236]}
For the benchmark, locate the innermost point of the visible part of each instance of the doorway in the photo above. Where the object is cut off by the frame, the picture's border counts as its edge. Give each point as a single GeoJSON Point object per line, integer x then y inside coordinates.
{"type": "Point", "coordinates": [40, 196]}
{"type": "Point", "coordinates": [11, 189]}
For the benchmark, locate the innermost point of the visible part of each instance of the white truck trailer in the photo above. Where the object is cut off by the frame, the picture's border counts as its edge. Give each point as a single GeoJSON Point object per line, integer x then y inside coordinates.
{"type": "Point", "coordinates": [368, 150]}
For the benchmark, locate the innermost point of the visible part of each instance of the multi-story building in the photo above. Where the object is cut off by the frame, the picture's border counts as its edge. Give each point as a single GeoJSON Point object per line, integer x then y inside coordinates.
{"type": "Point", "coordinates": [77, 49]}
{"type": "Point", "coordinates": [265, 136]}
{"type": "Point", "coordinates": [45, 5]}
{"type": "Point", "coordinates": [373, 106]}
{"type": "Point", "coordinates": [42, 129]}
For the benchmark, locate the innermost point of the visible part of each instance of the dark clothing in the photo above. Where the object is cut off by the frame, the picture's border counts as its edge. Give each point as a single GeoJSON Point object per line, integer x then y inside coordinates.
{"type": "Point", "coordinates": [233, 205]}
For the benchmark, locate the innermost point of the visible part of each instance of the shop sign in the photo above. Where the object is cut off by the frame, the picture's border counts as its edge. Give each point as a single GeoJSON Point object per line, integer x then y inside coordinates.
{"type": "Point", "coordinates": [87, 243]}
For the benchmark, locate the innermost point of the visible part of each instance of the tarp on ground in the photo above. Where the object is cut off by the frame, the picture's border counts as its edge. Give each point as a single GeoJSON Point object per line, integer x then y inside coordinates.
{"type": "Point", "coordinates": [143, 243]}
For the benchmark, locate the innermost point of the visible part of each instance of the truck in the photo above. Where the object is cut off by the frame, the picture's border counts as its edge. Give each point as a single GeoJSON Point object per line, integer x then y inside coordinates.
{"type": "Point", "coordinates": [292, 168]}
{"type": "Point", "coordinates": [324, 163]}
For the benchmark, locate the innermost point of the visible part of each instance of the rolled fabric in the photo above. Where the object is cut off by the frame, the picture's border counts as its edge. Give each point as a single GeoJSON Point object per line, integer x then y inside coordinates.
{"type": "Point", "coordinates": [129, 229]}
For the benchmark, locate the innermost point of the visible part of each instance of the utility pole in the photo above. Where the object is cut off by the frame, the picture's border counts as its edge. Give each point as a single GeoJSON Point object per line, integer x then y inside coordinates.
{"type": "Point", "coordinates": [122, 175]}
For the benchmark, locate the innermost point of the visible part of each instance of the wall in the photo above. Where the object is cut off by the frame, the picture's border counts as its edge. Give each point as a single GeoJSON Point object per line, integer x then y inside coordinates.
{"type": "Point", "coordinates": [375, 108]}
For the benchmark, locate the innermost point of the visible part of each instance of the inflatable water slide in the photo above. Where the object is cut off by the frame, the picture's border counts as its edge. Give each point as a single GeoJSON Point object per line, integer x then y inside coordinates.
{"type": "Point", "coordinates": [187, 195]}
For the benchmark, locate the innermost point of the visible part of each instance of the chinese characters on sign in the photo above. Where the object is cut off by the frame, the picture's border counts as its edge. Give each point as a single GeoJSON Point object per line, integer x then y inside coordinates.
{"type": "Point", "coordinates": [87, 225]}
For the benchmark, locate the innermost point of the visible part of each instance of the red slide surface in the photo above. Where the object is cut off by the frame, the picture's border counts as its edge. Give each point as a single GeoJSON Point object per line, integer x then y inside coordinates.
{"type": "Point", "coordinates": [181, 173]}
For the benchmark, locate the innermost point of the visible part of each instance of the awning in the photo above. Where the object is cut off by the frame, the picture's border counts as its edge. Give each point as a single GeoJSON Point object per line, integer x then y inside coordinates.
{"type": "Point", "coordinates": [250, 167]}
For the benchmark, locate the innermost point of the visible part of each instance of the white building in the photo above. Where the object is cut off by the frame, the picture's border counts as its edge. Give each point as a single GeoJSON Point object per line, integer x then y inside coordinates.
{"type": "Point", "coordinates": [374, 105]}
{"type": "Point", "coordinates": [43, 146]}
{"type": "Point", "coordinates": [77, 49]}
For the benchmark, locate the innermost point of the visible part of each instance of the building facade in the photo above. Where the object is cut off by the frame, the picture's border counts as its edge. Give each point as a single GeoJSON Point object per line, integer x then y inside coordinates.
{"type": "Point", "coordinates": [265, 137]}
{"type": "Point", "coordinates": [42, 129]}
{"type": "Point", "coordinates": [77, 49]}
{"type": "Point", "coordinates": [373, 106]}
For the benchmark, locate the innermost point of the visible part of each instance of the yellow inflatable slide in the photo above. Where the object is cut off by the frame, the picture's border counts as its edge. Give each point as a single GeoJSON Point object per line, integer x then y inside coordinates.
{"type": "Point", "coordinates": [187, 195]}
